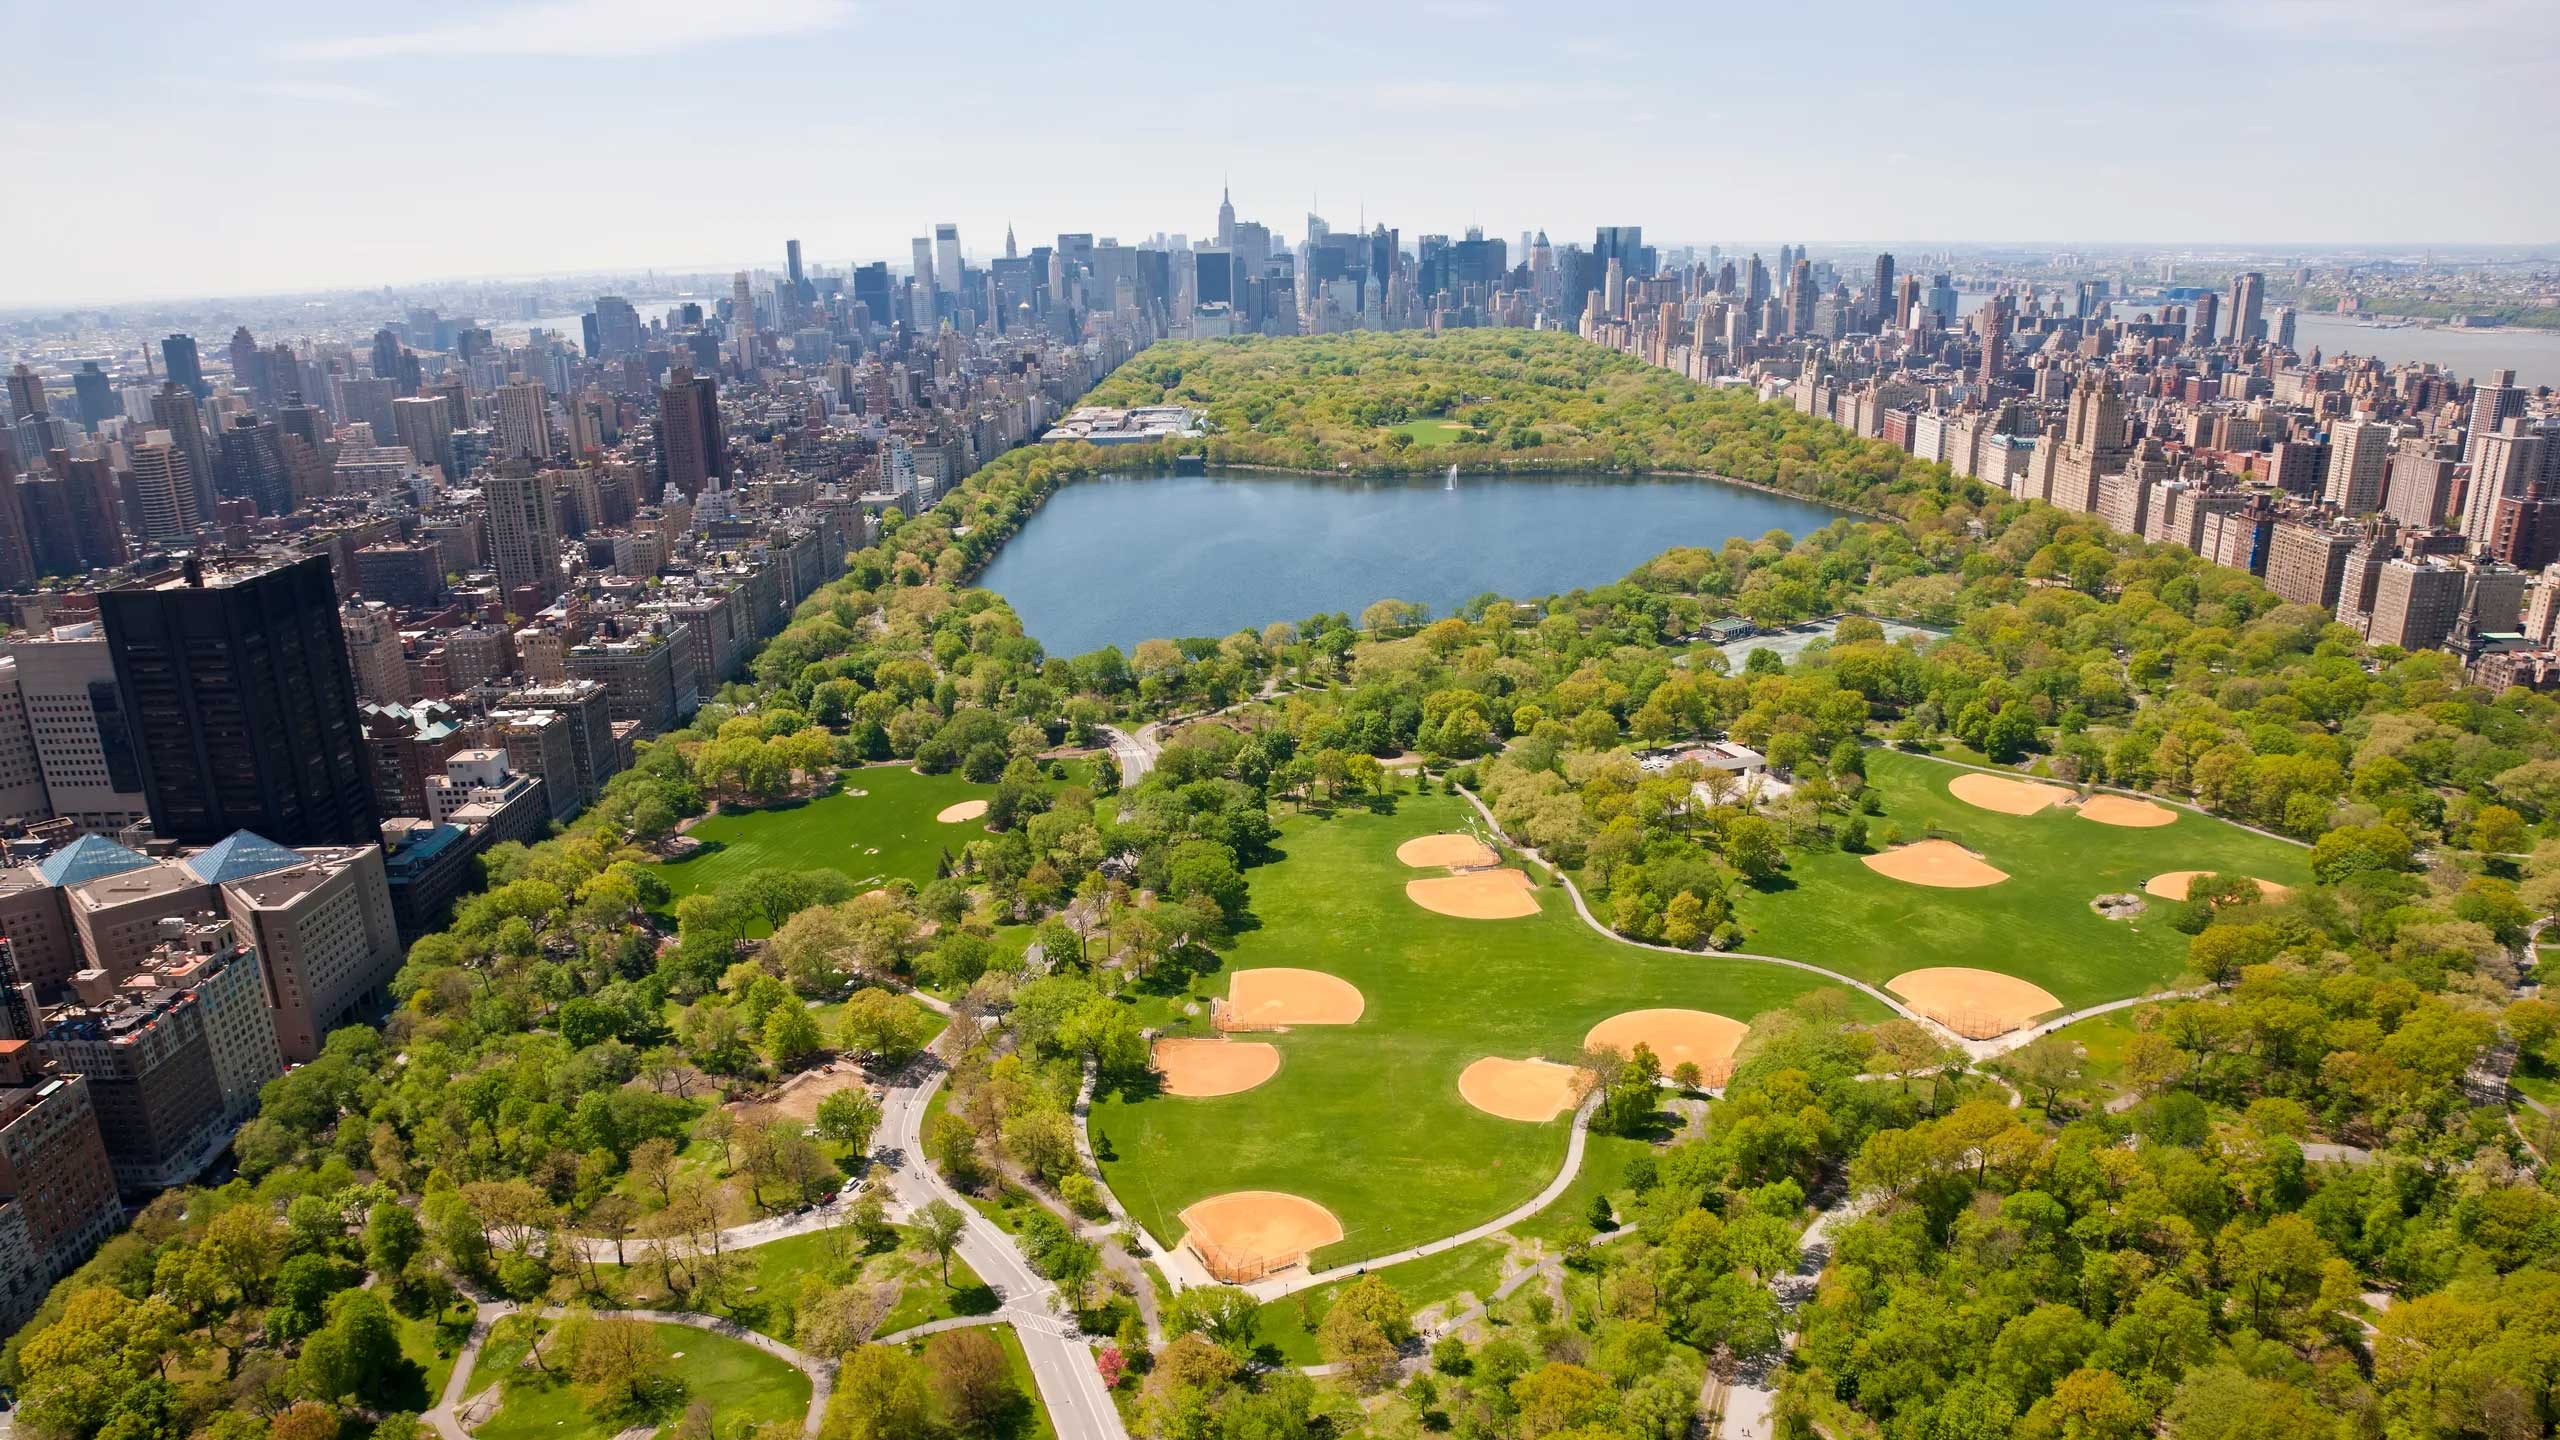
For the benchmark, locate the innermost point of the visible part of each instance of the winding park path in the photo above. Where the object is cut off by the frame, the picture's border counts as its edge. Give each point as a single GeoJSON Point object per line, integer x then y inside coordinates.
{"type": "Point", "coordinates": [1062, 1364]}
{"type": "Point", "coordinates": [446, 1417]}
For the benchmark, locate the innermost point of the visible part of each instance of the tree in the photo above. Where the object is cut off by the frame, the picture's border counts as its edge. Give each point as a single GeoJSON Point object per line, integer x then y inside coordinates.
{"type": "Point", "coordinates": [883, 1028]}
{"type": "Point", "coordinates": [880, 1395]}
{"type": "Point", "coordinates": [791, 1036]}
{"type": "Point", "coordinates": [1559, 1396]}
{"type": "Point", "coordinates": [941, 1225]}
{"type": "Point", "coordinates": [653, 1163]}
{"type": "Point", "coordinates": [973, 1380]}
{"type": "Point", "coordinates": [1223, 1313]}
{"type": "Point", "coordinates": [1751, 846]}
{"type": "Point", "coordinates": [848, 1117]}
{"type": "Point", "coordinates": [356, 1355]}
{"type": "Point", "coordinates": [619, 1363]}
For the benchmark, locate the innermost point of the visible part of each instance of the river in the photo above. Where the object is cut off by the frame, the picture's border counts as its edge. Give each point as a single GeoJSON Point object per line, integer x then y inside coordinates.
{"type": "Point", "coordinates": [1117, 559]}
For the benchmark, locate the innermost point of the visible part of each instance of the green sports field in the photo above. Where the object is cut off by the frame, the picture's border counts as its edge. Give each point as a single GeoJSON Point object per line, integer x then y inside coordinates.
{"type": "Point", "coordinates": [2037, 925]}
{"type": "Point", "coordinates": [888, 833]}
{"type": "Point", "coordinates": [1365, 1119]}
{"type": "Point", "coordinates": [1430, 432]}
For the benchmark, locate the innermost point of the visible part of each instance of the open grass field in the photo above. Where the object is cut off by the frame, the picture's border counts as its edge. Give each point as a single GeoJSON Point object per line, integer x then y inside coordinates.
{"type": "Point", "coordinates": [1365, 1119]}
{"type": "Point", "coordinates": [739, 1382]}
{"type": "Point", "coordinates": [1835, 911]}
{"type": "Point", "coordinates": [1429, 432]}
{"type": "Point", "coordinates": [774, 1272]}
{"type": "Point", "coordinates": [1288, 1326]}
{"type": "Point", "coordinates": [886, 834]}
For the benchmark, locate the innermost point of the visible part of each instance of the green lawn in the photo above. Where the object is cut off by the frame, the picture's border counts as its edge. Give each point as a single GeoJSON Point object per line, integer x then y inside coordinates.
{"type": "Point", "coordinates": [887, 834]}
{"type": "Point", "coordinates": [432, 1347]}
{"type": "Point", "coordinates": [1429, 432]}
{"type": "Point", "coordinates": [504, 1350]}
{"type": "Point", "coordinates": [2037, 925]}
{"type": "Point", "coordinates": [1288, 1326]}
{"type": "Point", "coordinates": [734, 1378]}
{"type": "Point", "coordinates": [1365, 1119]}
{"type": "Point", "coordinates": [769, 1288]}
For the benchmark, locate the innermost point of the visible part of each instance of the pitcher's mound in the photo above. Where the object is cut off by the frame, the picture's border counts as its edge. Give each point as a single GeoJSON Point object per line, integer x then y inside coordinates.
{"type": "Point", "coordinates": [1267, 999]}
{"type": "Point", "coordinates": [1676, 1037]}
{"type": "Point", "coordinates": [1247, 1234]}
{"type": "Point", "coordinates": [1477, 895]}
{"type": "Point", "coordinates": [1940, 864]}
{"type": "Point", "coordinates": [1214, 1067]}
{"type": "Point", "coordinates": [2126, 811]}
{"type": "Point", "coordinates": [1537, 1090]}
{"type": "Point", "coordinates": [2008, 797]}
{"type": "Point", "coordinates": [2175, 884]}
{"type": "Point", "coordinates": [1424, 852]}
{"type": "Point", "coordinates": [965, 810]}
{"type": "Point", "coordinates": [1976, 1004]}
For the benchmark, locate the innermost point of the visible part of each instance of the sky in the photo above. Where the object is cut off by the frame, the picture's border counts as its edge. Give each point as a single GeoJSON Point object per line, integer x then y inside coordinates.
{"type": "Point", "coordinates": [256, 146]}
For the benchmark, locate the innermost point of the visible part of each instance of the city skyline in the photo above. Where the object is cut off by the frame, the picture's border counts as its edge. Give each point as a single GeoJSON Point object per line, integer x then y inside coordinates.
{"type": "Point", "coordinates": [361, 155]}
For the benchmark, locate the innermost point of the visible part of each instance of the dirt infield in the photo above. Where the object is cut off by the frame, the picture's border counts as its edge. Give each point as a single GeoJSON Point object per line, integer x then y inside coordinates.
{"type": "Point", "coordinates": [965, 810]}
{"type": "Point", "coordinates": [1534, 1090]}
{"type": "Point", "coordinates": [1676, 1037]}
{"type": "Point", "coordinates": [1939, 864]}
{"type": "Point", "coordinates": [1214, 1067]}
{"type": "Point", "coordinates": [797, 1100]}
{"type": "Point", "coordinates": [2005, 796]}
{"type": "Point", "coordinates": [2174, 885]}
{"type": "Point", "coordinates": [2130, 813]}
{"type": "Point", "coordinates": [1476, 895]}
{"type": "Point", "coordinates": [1248, 1234]}
{"type": "Point", "coordinates": [1269, 999]}
{"type": "Point", "coordinates": [1425, 852]}
{"type": "Point", "coordinates": [1977, 1004]}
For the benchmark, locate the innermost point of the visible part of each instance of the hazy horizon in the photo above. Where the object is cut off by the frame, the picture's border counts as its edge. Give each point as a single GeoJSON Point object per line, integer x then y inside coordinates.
{"type": "Point", "coordinates": [289, 146]}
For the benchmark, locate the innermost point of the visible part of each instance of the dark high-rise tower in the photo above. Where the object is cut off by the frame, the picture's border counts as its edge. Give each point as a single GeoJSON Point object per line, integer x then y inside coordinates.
{"type": "Point", "coordinates": [178, 353]}
{"type": "Point", "coordinates": [692, 447]}
{"type": "Point", "coordinates": [1881, 297]}
{"type": "Point", "coordinates": [242, 704]}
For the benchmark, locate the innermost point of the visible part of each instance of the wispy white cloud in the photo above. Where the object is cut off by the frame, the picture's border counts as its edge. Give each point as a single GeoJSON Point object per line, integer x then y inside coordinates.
{"type": "Point", "coordinates": [1491, 94]}
{"type": "Point", "coordinates": [591, 28]}
{"type": "Point", "coordinates": [323, 92]}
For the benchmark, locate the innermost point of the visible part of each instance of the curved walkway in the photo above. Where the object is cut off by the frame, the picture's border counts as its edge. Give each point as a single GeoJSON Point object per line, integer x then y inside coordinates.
{"type": "Point", "coordinates": [1277, 1286]}
{"type": "Point", "coordinates": [446, 1416]}
{"type": "Point", "coordinates": [1977, 1050]}
{"type": "Point", "coordinates": [1062, 1364]}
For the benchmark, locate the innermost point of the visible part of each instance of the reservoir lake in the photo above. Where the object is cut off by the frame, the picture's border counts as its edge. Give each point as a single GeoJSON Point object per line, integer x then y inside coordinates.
{"type": "Point", "coordinates": [1121, 558]}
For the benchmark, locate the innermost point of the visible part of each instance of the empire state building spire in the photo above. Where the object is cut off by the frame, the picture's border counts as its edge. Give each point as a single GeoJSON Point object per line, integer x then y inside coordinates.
{"type": "Point", "coordinates": [1226, 217]}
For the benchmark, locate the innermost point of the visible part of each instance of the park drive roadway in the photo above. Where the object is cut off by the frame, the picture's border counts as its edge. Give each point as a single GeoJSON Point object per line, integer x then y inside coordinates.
{"type": "Point", "coordinates": [1062, 1364]}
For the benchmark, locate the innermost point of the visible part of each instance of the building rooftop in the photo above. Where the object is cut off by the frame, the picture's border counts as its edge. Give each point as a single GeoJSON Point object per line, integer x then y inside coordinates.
{"type": "Point", "coordinates": [239, 856]}
{"type": "Point", "coordinates": [88, 858]}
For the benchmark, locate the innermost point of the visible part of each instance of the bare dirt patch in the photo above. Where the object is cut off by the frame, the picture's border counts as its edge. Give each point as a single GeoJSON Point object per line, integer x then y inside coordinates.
{"type": "Point", "coordinates": [797, 1100]}
{"type": "Point", "coordinates": [965, 810]}
{"type": "Point", "coordinates": [2126, 811]}
{"type": "Point", "coordinates": [1676, 1037]}
{"type": "Point", "coordinates": [1269, 999]}
{"type": "Point", "coordinates": [1977, 1004]}
{"type": "Point", "coordinates": [1533, 1090]}
{"type": "Point", "coordinates": [2005, 796]}
{"type": "Point", "coordinates": [2174, 885]}
{"type": "Point", "coordinates": [1214, 1067]}
{"type": "Point", "coordinates": [1462, 852]}
{"type": "Point", "coordinates": [1939, 864]}
{"type": "Point", "coordinates": [1476, 895]}
{"type": "Point", "coordinates": [1247, 1234]}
